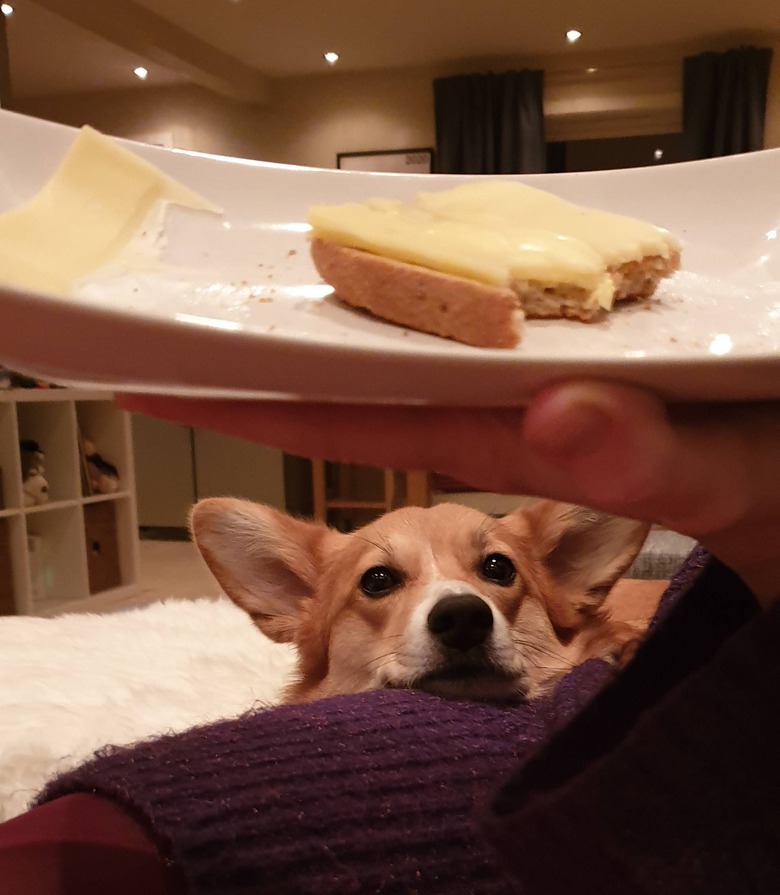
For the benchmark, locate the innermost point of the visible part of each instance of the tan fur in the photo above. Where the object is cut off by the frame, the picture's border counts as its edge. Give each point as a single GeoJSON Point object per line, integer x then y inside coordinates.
{"type": "Point", "coordinates": [300, 583]}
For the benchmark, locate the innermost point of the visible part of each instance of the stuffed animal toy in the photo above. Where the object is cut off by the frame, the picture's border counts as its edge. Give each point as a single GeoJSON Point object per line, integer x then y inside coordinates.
{"type": "Point", "coordinates": [103, 476]}
{"type": "Point", "coordinates": [35, 488]}
{"type": "Point", "coordinates": [12, 379]}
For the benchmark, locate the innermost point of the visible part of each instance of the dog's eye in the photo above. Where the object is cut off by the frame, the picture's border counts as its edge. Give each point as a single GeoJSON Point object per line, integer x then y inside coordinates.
{"type": "Point", "coordinates": [379, 581]}
{"type": "Point", "coordinates": [498, 568]}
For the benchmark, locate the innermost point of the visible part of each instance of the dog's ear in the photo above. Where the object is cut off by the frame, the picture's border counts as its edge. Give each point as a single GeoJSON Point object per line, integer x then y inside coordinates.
{"type": "Point", "coordinates": [266, 561]}
{"type": "Point", "coordinates": [584, 552]}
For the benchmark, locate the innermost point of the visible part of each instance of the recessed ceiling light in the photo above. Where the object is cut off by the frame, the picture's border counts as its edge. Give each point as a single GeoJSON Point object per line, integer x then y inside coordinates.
{"type": "Point", "coordinates": [591, 70]}
{"type": "Point", "coordinates": [140, 72]}
{"type": "Point", "coordinates": [331, 58]}
{"type": "Point", "coordinates": [658, 154]}
{"type": "Point", "coordinates": [573, 36]}
{"type": "Point", "coordinates": [6, 9]}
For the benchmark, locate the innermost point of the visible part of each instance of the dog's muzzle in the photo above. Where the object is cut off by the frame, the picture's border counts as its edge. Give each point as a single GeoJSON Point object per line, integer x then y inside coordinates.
{"type": "Point", "coordinates": [460, 621]}
{"type": "Point", "coordinates": [463, 666]}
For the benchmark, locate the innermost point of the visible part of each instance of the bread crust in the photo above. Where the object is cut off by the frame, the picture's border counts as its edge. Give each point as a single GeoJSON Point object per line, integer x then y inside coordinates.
{"type": "Point", "coordinates": [465, 310]}
{"type": "Point", "coordinates": [453, 307]}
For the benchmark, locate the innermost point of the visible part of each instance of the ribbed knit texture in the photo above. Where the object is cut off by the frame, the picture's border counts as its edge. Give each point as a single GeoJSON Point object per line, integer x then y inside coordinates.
{"type": "Point", "coordinates": [371, 793]}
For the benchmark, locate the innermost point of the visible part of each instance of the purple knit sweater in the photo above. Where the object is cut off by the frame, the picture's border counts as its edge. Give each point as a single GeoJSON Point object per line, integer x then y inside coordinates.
{"type": "Point", "coordinates": [667, 781]}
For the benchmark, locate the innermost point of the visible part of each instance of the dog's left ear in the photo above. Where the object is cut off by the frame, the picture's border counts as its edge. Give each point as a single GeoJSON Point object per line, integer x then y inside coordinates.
{"type": "Point", "coordinates": [584, 553]}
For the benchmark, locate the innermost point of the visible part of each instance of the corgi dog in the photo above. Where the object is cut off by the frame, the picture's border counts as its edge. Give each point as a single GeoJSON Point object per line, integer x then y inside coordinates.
{"type": "Point", "coordinates": [444, 599]}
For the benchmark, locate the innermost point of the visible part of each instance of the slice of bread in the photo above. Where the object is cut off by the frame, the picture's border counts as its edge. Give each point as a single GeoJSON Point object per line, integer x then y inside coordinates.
{"type": "Point", "coordinates": [466, 310]}
{"type": "Point", "coordinates": [422, 299]}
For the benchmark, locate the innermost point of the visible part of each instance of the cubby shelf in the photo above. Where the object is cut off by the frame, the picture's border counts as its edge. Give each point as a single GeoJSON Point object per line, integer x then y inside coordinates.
{"type": "Point", "coordinates": [76, 544]}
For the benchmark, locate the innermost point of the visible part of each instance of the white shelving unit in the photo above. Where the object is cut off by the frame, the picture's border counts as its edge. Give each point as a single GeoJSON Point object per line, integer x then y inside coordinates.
{"type": "Point", "coordinates": [75, 545]}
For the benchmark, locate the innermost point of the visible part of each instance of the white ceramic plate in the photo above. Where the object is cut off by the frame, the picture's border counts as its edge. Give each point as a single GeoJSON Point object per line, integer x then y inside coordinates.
{"type": "Point", "coordinates": [243, 314]}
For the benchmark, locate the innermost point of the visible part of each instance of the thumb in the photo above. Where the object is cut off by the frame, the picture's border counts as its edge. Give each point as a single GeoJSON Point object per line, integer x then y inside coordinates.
{"type": "Point", "coordinates": [619, 449]}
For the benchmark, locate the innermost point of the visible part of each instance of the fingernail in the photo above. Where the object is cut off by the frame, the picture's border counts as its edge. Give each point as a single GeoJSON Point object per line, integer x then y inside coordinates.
{"type": "Point", "coordinates": [563, 430]}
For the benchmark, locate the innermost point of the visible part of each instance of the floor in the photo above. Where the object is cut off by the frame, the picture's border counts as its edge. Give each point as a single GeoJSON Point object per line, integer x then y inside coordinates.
{"type": "Point", "coordinates": [174, 569]}
{"type": "Point", "coordinates": [166, 569]}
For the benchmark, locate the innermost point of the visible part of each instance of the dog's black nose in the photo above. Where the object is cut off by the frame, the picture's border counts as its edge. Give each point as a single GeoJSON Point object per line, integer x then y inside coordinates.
{"type": "Point", "coordinates": [460, 621]}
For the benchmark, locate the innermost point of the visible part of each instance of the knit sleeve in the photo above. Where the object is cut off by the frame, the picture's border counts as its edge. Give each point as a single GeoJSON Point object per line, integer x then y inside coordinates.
{"type": "Point", "coordinates": [356, 794]}
{"type": "Point", "coordinates": [668, 783]}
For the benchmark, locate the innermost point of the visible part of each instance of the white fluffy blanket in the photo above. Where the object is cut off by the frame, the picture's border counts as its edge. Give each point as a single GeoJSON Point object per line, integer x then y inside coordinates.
{"type": "Point", "coordinates": [71, 684]}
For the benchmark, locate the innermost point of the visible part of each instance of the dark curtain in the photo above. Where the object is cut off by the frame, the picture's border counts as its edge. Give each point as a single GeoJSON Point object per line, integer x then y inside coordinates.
{"type": "Point", "coordinates": [5, 68]}
{"type": "Point", "coordinates": [490, 123]}
{"type": "Point", "coordinates": [724, 102]}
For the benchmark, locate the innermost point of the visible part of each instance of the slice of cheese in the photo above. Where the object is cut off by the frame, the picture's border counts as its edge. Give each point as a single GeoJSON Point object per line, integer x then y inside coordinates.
{"type": "Point", "coordinates": [97, 201]}
{"type": "Point", "coordinates": [499, 233]}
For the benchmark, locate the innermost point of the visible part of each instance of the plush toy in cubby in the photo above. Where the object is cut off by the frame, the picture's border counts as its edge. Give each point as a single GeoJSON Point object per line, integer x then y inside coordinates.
{"type": "Point", "coordinates": [103, 477]}
{"type": "Point", "coordinates": [35, 488]}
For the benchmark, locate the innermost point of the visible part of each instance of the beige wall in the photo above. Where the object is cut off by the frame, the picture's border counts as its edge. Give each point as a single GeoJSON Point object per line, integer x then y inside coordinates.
{"type": "Point", "coordinates": [194, 117]}
{"type": "Point", "coordinates": [307, 122]}
{"type": "Point", "coordinates": [310, 119]}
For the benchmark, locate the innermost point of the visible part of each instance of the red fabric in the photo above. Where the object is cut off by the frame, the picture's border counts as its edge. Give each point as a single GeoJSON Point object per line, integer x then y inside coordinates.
{"type": "Point", "coordinates": [81, 845]}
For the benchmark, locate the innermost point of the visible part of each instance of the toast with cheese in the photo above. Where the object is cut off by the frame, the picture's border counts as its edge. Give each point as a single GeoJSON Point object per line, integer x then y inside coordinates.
{"type": "Point", "coordinates": [470, 264]}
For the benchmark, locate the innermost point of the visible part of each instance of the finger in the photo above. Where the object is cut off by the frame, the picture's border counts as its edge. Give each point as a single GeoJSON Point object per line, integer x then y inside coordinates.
{"type": "Point", "coordinates": [618, 449]}
{"type": "Point", "coordinates": [459, 441]}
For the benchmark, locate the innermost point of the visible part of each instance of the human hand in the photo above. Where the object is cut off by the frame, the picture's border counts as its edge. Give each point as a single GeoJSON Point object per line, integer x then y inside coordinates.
{"type": "Point", "coordinates": [709, 472]}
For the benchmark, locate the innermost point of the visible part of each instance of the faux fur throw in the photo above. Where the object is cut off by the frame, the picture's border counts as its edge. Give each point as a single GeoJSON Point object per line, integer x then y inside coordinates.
{"type": "Point", "coordinates": [72, 684]}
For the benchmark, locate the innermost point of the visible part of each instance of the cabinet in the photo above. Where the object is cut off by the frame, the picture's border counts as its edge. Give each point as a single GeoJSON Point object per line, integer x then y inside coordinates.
{"type": "Point", "coordinates": [75, 544]}
{"type": "Point", "coordinates": [177, 465]}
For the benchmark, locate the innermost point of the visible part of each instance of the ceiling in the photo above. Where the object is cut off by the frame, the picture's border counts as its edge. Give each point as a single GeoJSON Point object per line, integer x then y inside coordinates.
{"type": "Point", "coordinates": [239, 46]}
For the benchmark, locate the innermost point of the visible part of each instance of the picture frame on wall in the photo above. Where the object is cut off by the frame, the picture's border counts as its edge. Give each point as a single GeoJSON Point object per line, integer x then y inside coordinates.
{"type": "Point", "coordinates": [388, 161]}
